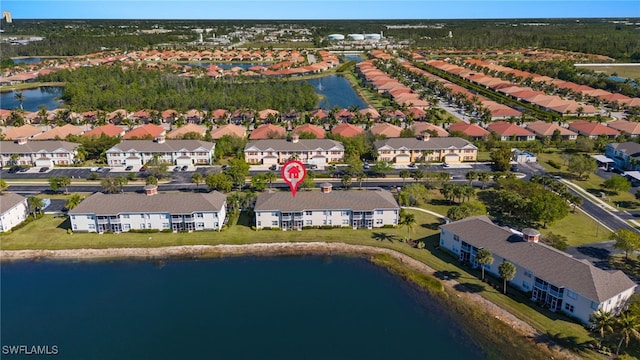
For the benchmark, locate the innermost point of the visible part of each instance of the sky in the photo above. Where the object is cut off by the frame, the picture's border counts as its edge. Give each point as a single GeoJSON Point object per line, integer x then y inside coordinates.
{"type": "Point", "coordinates": [313, 9]}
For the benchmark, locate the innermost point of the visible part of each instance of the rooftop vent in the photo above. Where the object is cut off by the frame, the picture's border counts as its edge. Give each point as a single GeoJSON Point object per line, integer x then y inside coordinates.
{"type": "Point", "coordinates": [531, 235]}
{"type": "Point", "coordinates": [151, 190]}
{"type": "Point", "coordinates": [326, 187]}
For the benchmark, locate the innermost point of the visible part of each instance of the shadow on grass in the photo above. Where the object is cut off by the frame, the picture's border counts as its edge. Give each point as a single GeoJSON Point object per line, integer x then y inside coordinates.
{"type": "Point", "coordinates": [245, 219]}
{"type": "Point", "coordinates": [65, 225]}
{"type": "Point", "coordinates": [442, 202]}
{"type": "Point", "coordinates": [628, 204]}
{"type": "Point", "coordinates": [594, 252]}
{"type": "Point", "coordinates": [379, 236]}
{"type": "Point", "coordinates": [568, 342]}
{"type": "Point", "coordinates": [431, 226]}
{"type": "Point", "coordinates": [469, 287]}
{"type": "Point", "coordinates": [447, 275]}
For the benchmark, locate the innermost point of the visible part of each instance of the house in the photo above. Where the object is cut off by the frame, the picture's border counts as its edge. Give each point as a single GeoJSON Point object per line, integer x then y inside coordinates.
{"type": "Point", "coordinates": [279, 151]}
{"type": "Point", "coordinates": [181, 131]}
{"type": "Point", "coordinates": [629, 128]}
{"type": "Point", "coordinates": [422, 127]}
{"type": "Point", "coordinates": [26, 131]}
{"type": "Point", "coordinates": [14, 209]}
{"type": "Point", "coordinates": [184, 211]}
{"type": "Point", "coordinates": [347, 130]}
{"type": "Point", "coordinates": [472, 131]}
{"type": "Point", "coordinates": [508, 131]}
{"type": "Point", "coordinates": [174, 152]}
{"type": "Point", "coordinates": [386, 129]}
{"type": "Point", "coordinates": [60, 132]}
{"type": "Point", "coordinates": [593, 130]}
{"type": "Point", "coordinates": [426, 148]}
{"type": "Point", "coordinates": [352, 208]}
{"type": "Point", "coordinates": [626, 155]}
{"type": "Point", "coordinates": [543, 129]}
{"type": "Point", "coordinates": [106, 130]}
{"type": "Point", "coordinates": [231, 130]}
{"type": "Point", "coordinates": [147, 131]}
{"type": "Point", "coordinates": [268, 131]}
{"type": "Point", "coordinates": [311, 129]}
{"type": "Point", "coordinates": [553, 278]}
{"type": "Point", "coordinates": [44, 153]}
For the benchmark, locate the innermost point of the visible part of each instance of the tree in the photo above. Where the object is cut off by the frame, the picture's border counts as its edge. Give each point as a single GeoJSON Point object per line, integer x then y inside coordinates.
{"type": "Point", "coordinates": [617, 183]}
{"type": "Point", "coordinates": [581, 165]}
{"type": "Point", "coordinates": [237, 170]}
{"type": "Point", "coordinates": [501, 158]}
{"type": "Point", "coordinates": [602, 322]}
{"type": "Point", "coordinates": [109, 185]}
{"type": "Point", "coordinates": [507, 272]}
{"type": "Point", "coordinates": [484, 177]}
{"type": "Point", "coordinates": [627, 326]}
{"type": "Point", "coordinates": [259, 182]}
{"type": "Point", "coordinates": [408, 220]}
{"type": "Point", "coordinates": [271, 177]}
{"type": "Point", "coordinates": [197, 179]}
{"type": "Point", "coordinates": [121, 182]}
{"type": "Point", "coordinates": [555, 240]}
{"type": "Point", "coordinates": [346, 180]}
{"type": "Point", "coordinates": [150, 180]}
{"type": "Point", "coordinates": [219, 182]}
{"type": "Point", "coordinates": [404, 174]}
{"type": "Point", "coordinates": [467, 209]}
{"type": "Point", "coordinates": [54, 183]}
{"type": "Point", "coordinates": [64, 181]}
{"type": "Point", "coordinates": [19, 96]}
{"type": "Point", "coordinates": [73, 201]}
{"type": "Point", "coordinates": [547, 207]}
{"type": "Point", "coordinates": [413, 194]}
{"type": "Point", "coordinates": [417, 175]}
{"type": "Point", "coordinates": [471, 175]}
{"type": "Point", "coordinates": [35, 205]}
{"type": "Point", "coordinates": [3, 185]}
{"type": "Point", "coordinates": [626, 240]}
{"type": "Point", "coordinates": [484, 257]}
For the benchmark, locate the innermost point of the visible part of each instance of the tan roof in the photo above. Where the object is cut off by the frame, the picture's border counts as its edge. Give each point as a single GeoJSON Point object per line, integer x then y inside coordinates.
{"type": "Point", "coordinates": [9, 200]}
{"type": "Point", "coordinates": [266, 131]}
{"type": "Point", "coordinates": [359, 200]}
{"type": "Point", "coordinates": [310, 128]}
{"type": "Point", "coordinates": [28, 131]}
{"type": "Point", "coordinates": [188, 128]}
{"type": "Point", "coordinates": [61, 132]}
{"type": "Point", "coordinates": [347, 130]}
{"type": "Point", "coordinates": [386, 129]}
{"type": "Point", "coordinates": [543, 128]}
{"type": "Point", "coordinates": [231, 129]}
{"type": "Point", "coordinates": [174, 203]}
{"type": "Point", "coordinates": [144, 131]}
{"type": "Point", "coordinates": [629, 127]}
{"type": "Point", "coordinates": [547, 263]}
{"type": "Point", "coordinates": [420, 127]}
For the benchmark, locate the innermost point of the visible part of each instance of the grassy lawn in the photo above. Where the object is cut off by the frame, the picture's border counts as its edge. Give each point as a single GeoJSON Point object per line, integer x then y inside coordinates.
{"type": "Point", "coordinates": [34, 85]}
{"type": "Point", "coordinates": [629, 72]}
{"type": "Point", "coordinates": [579, 229]}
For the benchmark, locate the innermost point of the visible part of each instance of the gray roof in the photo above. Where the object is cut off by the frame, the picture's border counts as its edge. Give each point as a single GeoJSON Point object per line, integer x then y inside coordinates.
{"type": "Point", "coordinates": [302, 145]}
{"type": "Point", "coordinates": [547, 263]}
{"type": "Point", "coordinates": [358, 200]}
{"type": "Point", "coordinates": [630, 148]}
{"type": "Point", "coordinates": [174, 203]}
{"type": "Point", "coordinates": [434, 143]}
{"type": "Point", "coordinates": [9, 200]}
{"type": "Point", "coordinates": [36, 146]}
{"type": "Point", "coordinates": [167, 146]}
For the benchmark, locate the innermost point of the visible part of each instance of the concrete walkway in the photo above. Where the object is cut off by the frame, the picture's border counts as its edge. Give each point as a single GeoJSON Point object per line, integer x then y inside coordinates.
{"type": "Point", "coordinates": [440, 216]}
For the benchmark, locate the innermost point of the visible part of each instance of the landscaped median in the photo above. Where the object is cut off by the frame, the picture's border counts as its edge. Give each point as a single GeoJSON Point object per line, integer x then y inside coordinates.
{"type": "Point", "coordinates": [474, 301]}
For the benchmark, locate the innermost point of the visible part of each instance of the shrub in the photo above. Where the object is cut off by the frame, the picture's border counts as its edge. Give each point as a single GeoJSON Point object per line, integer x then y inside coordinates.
{"type": "Point", "coordinates": [388, 226]}
{"type": "Point", "coordinates": [145, 231]}
{"type": "Point", "coordinates": [554, 164]}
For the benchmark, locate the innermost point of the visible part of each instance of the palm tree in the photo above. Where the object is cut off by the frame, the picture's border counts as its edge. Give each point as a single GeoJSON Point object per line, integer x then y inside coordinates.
{"type": "Point", "coordinates": [197, 179]}
{"type": "Point", "coordinates": [3, 185]}
{"type": "Point", "coordinates": [484, 177]}
{"type": "Point", "coordinates": [409, 220]}
{"type": "Point", "coordinates": [19, 96]}
{"type": "Point", "coordinates": [35, 203]}
{"type": "Point", "coordinates": [346, 180]}
{"type": "Point", "coordinates": [417, 175]}
{"type": "Point", "coordinates": [471, 175]}
{"type": "Point", "coordinates": [64, 181]}
{"type": "Point", "coordinates": [73, 201]}
{"type": "Point", "coordinates": [627, 326]}
{"type": "Point", "coordinates": [271, 177]}
{"type": "Point", "coordinates": [507, 272]}
{"type": "Point", "coordinates": [360, 177]}
{"type": "Point", "coordinates": [484, 257]}
{"type": "Point", "coordinates": [404, 174]}
{"type": "Point", "coordinates": [602, 322]}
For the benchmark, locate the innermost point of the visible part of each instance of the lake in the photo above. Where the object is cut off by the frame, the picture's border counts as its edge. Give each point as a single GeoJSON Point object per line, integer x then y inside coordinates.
{"type": "Point", "coordinates": [235, 308]}
{"type": "Point", "coordinates": [27, 60]}
{"type": "Point", "coordinates": [336, 91]}
{"type": "Point", "coordinates": [33, 99]}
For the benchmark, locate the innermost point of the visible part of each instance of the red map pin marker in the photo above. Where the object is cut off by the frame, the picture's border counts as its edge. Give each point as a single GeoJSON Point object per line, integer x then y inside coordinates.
{"type": "Point", "coordinates": [293, 173]}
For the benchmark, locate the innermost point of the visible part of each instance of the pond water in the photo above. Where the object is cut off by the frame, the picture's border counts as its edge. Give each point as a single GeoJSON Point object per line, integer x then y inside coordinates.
{"type": "Point", "coordinates": [356, 58]}
{"type": "Point", "coordinates": [336, 91]}
{"type": "Point", "coordinates": [33, 99]}
{"type": "Point", "coordinates": [236, 308]}
{"type": "Point", "coordinates": [27, 60]}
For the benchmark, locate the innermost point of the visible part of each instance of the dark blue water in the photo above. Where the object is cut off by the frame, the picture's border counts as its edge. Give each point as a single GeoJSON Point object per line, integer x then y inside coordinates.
{"type": "Point", "coordinates": [33, 99]}
{"type": "Point", "coordinates": [28, 60]}
{"type": "Point", "coordinates": [337, 92]}
{"type": "Point", "coordinates": [236, 308]}
{"type": "Point", "coordinates": [355, 58]}
{"type": "Point", "coordinates": [621, 79]}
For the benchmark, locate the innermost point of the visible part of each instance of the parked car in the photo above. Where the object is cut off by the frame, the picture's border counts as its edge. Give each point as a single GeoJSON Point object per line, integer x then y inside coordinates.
{"type": "Point", "coordinates": [100, 169]}
{"type": "Point", "coordinates": [177, 168]}
{"type": "Point", "coordinates": [44, 169]}
{"type": "Point", "coordinates": [184, 168]}
{"type": "Point", "coordinates": [412, 165]}
{"type": "Point", "coordinates": [273, 167]}
{"type": "Point", "coordinates": [128, 168]}
{"type": "Point", "coordinates": [24, 169]}
{"type": "Point", "coordinates": [445, 165]}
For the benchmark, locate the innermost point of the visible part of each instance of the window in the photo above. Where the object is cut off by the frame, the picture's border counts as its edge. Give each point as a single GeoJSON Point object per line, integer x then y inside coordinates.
{"type": "Point", "coordinates": [308, 222]}
{"type": "Point", "coordinates": [274, 223]}
{"type": "Point", "coordinates": [75, 227]}
{"type": "Point", "coordinates": [308, 212]}
{"type": "Point", "coordinates": [378, 221]}
{"type": "Point", "coordinates": [345, 221]}
{"type": "Point", "coordinates": [199, 215]}
{"type": "Point", "coordinates": [200, 225]}
{"type": "Point", "coordinates": [525, 285]}
{"type": "Point", "coordinates": [568, 307]}
{"type": "Point", "coordinates": [571, 294]}
{"type": "Point", "coordinates": [259, 223]}
{"type": "Point", "coordinates": [142, 226]}
{"type": "Point", "coordinates": [125, 216]}
{"type": "Point", "coordinates": [126, 226]}
{"type": "Point", "coordinates": [527, 273]}
{"type": "Point", "coordinates": [327, 212]}
{"type": "Point", "coordinates": [456, 238]}
{"type": "Point", "coordinates": [329, 222]}
{"type": "Point", "coordinates": [92, 226]}
{"type": "Point", "coordinates": [379, 212]}
{"type": "Point", "coordinates": [73, 217]}
{"type": "Point", "coordinates": [165, 225]}
{"type": "Point", "coordinates": [275, 213]}
{"type": "Point", "coordinates": [345, 213]}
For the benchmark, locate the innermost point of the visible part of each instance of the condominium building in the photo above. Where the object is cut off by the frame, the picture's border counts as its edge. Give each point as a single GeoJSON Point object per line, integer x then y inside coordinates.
{"type": "Point", "coordinates": [13, 211]}
{"type": "Point", "coordinates": [175, 152]}
{"type": "Point", "coordinates": [37, 153]}
{"type": "Point", "coordinates": [426, 148]}
{"type": "Point", "coordinates": [278, 151]}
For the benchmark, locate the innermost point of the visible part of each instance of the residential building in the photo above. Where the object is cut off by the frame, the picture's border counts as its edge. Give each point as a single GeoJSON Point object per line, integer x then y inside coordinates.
{"type": "Point", "coordinates": [508, 131]}
{"type": "Point", "coordinates": [147, 131]}
{"type": "Point", "coordinates": [346, 130]}
{"type": "Point", "coordinates": [14, 209]}
{"type": "Point", "coordinates": [37, 153]}
{"type": "Point", "coordinates": [544, 129]}
{"type": "Point", "coordinates": [472, 131]}
{"type": "Point", "coordinates": [553, 279]}
{"type": "Point", "coordinates": [230, 129]}
{"type": "Point", "coordinates": [426, 148]}
{"type": "Point", "coordinates": [311, 129]}
{"type": "Point", "coordinates": [278, 151]}
{"type": "Point", "coordinates": [106, 130]}
{"type": "Point", "coordinates": [175, 152]}
{"type": "Point", "coordinates": [60, 132]}
{"type": "Point", "coordinates": [421, 127]}
{"type": "Point", "coordinates": [593, 130]}
{"type": "Point", "coordinates": [160, 211]}
{"type": "Point", "coordinates": [268, 131]}
{"type": "Point", "coordinates": [386, 130]}
{"type": "Point", "coordinates": [181, 131]}
{"type": "Point", "coordinates": [629, 128]}
{"type": "Point", "coordinates": [352, 208]}
{"type": "Point", "coordinates": [25, 131]}
{"type": "Point", "coordinates": [626, 155]}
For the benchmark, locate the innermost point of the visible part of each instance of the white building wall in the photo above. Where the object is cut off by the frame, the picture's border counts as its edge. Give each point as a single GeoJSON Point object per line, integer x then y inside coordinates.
{"type": "Point", "coordinates": [14, 216]}
{"type": "Point", "coordinates": [338, 218]}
